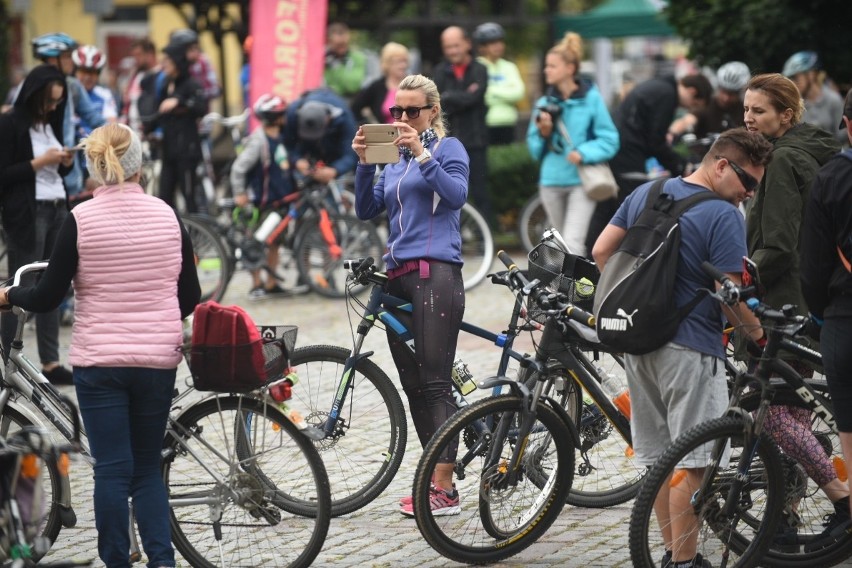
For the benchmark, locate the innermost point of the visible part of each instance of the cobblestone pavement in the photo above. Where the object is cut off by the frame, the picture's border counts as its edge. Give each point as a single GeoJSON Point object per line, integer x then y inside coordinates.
{"type": "Point", "coordinates": [377, 535]}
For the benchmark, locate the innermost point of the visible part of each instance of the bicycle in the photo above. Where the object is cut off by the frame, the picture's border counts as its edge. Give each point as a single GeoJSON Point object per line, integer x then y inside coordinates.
{"type": "Point", "coordinates": [314, 234]}
{"type": "Point", "coordinates": [748, 485]}
{"type": "Point", "coordinates": [515, 461]}
{"type": "Point", "coordinates": [235, 467]}
{"type": "Point", "coordinates": [23, 455]}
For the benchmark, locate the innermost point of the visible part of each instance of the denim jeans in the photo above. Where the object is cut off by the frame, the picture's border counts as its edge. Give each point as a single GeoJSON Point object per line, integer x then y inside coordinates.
{"type": "Point", "coordinates": [124, 411]}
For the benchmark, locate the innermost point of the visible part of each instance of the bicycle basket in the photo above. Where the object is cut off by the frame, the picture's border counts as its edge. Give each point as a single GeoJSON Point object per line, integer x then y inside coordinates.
{"type": "Point", "coordinates": [563, 272]}
{"type": "Point", "coordinates": [234, 368]}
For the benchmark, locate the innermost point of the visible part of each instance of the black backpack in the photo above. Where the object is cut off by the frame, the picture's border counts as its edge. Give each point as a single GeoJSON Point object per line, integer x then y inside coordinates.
{"type": "Point", "coordinates": [634, 299]}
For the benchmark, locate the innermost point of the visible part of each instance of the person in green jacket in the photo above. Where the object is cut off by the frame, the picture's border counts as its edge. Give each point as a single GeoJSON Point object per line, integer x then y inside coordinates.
{"type": "Point", "coordinates": [505, 86]}
{"type": "Point", "coordinates": [346, 69]}
{"type": "Point", "coordinates": [774, 107]}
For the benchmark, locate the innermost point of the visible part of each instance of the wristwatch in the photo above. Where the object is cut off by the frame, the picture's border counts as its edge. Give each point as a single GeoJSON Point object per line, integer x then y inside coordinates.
{"type": "Point", "coordinates": [424, 156]}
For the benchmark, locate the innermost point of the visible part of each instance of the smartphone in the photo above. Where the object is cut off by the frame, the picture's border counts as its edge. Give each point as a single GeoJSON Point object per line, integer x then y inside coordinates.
{"type": "Point", "coordinates": [380, 147]}
{"type": "Point", "coordinates": [73, 149]}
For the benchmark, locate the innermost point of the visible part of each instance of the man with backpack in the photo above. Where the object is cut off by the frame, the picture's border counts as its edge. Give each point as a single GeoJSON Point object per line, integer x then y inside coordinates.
{"type": "Point", "coordinates": [680, 381]}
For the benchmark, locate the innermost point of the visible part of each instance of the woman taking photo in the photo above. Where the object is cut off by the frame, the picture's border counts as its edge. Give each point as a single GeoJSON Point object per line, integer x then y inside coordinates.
{"type": "Point", "coordinates": [774, 107]}
{"type": "Point", "coordinates": [33, 197]}
{"type": "Point", "coordinates": [569, 126]}
{"type": "Point", "coordinates": [422, 194]}
{"type": "Point", "coordinates": [133, 270]}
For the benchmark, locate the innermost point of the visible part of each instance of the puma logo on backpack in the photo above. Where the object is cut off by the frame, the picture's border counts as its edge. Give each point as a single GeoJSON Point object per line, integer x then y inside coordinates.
{"type": "Point", "coordinates": [634, 300]}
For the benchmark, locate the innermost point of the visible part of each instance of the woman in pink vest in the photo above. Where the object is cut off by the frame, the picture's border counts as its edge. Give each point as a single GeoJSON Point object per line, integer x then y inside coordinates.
{"type": "Point", "coordinates": [132, 266]}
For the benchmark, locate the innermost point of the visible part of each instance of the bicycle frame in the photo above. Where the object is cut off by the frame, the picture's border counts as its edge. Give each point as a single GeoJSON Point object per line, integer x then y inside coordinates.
{"type": "Point", "coordinates": [379, 307]}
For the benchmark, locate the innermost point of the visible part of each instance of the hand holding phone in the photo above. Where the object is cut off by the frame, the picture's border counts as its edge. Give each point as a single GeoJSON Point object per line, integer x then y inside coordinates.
{"type": "Point", "coordinates": [379, 139]}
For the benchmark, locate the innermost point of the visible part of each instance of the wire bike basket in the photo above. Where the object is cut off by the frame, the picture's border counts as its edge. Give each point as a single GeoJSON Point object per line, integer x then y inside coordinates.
{"type": "Point", "coordinates": [563, 272]}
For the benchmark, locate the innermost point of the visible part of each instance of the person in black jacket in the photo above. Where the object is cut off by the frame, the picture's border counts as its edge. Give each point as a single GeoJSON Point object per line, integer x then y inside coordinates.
{"type": "Point", "coordinates": [33, 162]}
{"type": "Point", "coordinates": [643, 120]}
{"type": "Point", "coordinates": [180, 102]}
{"type": "Point", "coordinates": [827, 284]}
{"type": "Point", "coordinates": [462, 81]}
{"type": "Point", "coordinates": [377, 97]}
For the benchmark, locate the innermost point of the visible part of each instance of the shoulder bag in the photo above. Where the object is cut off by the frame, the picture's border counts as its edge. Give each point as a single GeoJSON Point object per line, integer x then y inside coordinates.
{"type": "Point", "coordinates": [597, 179]}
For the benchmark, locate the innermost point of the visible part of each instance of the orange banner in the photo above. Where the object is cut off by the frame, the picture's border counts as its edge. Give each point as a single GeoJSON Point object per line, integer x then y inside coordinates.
{"type": "Point", "coordinates": [288, 46]}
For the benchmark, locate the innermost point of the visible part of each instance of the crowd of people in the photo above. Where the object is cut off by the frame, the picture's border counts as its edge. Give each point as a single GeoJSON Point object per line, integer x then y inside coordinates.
{"type": "Point", "coordinates": [774, 154]}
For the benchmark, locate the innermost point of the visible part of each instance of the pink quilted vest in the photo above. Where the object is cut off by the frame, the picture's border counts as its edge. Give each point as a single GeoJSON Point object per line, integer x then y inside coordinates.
{"type": "Point", "coordinates": [126, 307]}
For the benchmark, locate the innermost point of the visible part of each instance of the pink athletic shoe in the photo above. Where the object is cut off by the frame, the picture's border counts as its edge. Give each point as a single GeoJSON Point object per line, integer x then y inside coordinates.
{"type": "Point", "coordinates": [442, 502]}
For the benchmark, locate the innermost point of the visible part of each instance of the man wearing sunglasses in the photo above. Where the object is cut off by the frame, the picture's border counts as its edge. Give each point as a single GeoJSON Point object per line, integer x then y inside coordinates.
{"type": "Point", "coordinates": [462, 82]}
{"type": "Point", "coordinates": [683, 383]}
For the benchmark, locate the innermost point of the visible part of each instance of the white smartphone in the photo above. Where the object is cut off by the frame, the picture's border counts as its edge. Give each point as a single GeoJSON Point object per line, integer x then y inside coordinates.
{"type": "Point", "coordinates": [380, 147]}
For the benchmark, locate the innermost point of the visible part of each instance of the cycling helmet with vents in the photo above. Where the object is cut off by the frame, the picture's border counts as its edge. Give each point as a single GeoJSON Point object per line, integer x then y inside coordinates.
{"type": "Point", "coordinates": [89, 57]}
{"type": "Point", "coordinates": [733, 76]}
{"type": "Point", "coordinates": [52, 45]}
{"type": "Point", "coordinates": [269, 107]}
{"type": "Point", "coordinates": [488, 32]}
{"type": "Point", "coordinates": [800, 62]}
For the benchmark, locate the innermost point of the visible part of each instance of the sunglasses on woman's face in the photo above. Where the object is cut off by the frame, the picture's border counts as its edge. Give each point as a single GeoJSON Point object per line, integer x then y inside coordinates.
{"type": "Point", "coordinates": [412, 112]}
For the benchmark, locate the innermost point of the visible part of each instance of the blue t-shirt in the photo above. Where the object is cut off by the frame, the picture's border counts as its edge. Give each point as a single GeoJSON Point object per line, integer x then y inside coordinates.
{"type": "Point", "coordinates": [280, 176]}
{"type": "Point", "coordinates": [712, 230]}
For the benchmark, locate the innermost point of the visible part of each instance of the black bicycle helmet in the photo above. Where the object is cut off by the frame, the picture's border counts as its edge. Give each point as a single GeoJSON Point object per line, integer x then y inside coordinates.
{"type": "Point", "coordinates": [52, 45]}
{"type": "Point", "coordinates": [183, 37]}
{"type": "Point", "coordinates": [488, 32]}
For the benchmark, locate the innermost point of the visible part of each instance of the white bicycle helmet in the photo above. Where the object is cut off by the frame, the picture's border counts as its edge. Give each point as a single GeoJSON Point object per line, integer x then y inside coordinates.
{"type": "Point", "coordinates": [733, 76]}
{"type": "Point", "coordinates": [800, 62]}
{"type": "Point", "coordinates": [269, 107]}
{"type": "Point", "coordinates": [488, 32]}
{"type": "Point", "coordinates": [52, 45]}
{"type": "Point", "coordinates": [89, 57]}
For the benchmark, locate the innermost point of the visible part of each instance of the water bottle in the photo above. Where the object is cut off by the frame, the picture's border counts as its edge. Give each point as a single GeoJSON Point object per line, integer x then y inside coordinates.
{"type": "Point", "coordinates": [267, 226]}
{"type": "Point", "coordinates": [462, 377]}
{"type": "Point", "coordinates": [616, 389]}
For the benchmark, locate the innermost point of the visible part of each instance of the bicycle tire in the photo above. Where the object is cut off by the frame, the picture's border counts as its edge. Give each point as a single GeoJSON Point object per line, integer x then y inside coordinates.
{"type": "Point", "coordinates": [11, 421]}
{"type": "Point", "coordinates": [494, 524]}
{"type": "Point", "coordinates": [252, 519]}
{"type": "Point", "coordinates": [477, 246]}
{"type": "Point", "coordinates": [212, 261]}
{"type": "Point", "coordinates": [324, 271]}
{"type": "Point", "coordinates": [366, 449]}
{"type": "Point", "coordinates": [811, 504]}
{"type": "Point", "coordinates": [605, 474]}
{"type": "Point", "coordinates": [763, 491]}
{"type": "Point", "coordinates": [532, 222]}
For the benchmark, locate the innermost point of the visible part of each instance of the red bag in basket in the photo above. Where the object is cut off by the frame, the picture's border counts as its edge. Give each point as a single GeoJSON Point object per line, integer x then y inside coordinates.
{"type": "Point", "coordinates": [227, 350]}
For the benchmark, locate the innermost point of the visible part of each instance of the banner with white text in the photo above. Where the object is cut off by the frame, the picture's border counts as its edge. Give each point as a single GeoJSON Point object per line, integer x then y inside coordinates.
{"type": "Point", "coordinates": [288, 46]}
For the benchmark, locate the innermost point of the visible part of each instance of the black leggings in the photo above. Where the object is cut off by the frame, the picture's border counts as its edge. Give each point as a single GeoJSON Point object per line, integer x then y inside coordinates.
{"type": "Point", "coordinates": [437, 309]}
{"type": "Point", "coordinates": [834, 343]}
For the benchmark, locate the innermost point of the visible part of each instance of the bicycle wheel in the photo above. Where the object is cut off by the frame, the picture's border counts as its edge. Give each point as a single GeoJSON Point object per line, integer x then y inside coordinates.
{"type": "Point", "coordinates": [738, 537]}
{"type": "Point", "coordinates": [532, 222]}
{"type": "Point", "coordinates": [477, 246]}
{"type": "Point", "coordinates": [803, 495]}
{"type": "Point", "coordinates": [365, 450]}
{"type": "Point", "coordinates": [223, 512]}
{"type": "Point", "coordinates": [211, 259]}
{"type": "Point", "coordinates": [11, 421]}
{"type": "Point", "coordinates": [498, 518]}
{"type": "Point", "coordinates": [321, 267]}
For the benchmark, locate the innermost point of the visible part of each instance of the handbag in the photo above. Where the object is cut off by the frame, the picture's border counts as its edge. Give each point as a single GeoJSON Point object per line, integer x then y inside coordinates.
{"type": "Point", "coordinates": [597, 179]}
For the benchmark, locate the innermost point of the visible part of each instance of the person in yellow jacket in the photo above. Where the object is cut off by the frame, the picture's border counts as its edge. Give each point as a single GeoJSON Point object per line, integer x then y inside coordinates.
{"type": "Point", "coordinates": [505, 86]}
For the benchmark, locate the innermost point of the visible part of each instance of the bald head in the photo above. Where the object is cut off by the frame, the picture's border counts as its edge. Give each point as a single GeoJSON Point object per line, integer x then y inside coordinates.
{"type": "Point", "coordinates": [456, 45]}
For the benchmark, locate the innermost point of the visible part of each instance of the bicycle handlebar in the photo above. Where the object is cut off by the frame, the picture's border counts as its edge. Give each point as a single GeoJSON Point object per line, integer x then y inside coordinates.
{"type": "Point", "coordinates": [546, 300]}
{"type": "Point", "coordinates": [32, 267]}
{"type": "Point", "coordinates": [730, 294]}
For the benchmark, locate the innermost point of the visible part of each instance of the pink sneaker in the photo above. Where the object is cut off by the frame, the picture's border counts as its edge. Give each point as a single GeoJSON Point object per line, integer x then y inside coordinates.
{"type": "Point", "coordinates": [442, 502]}
{"type": "Point", "coordinates": [407, 500]}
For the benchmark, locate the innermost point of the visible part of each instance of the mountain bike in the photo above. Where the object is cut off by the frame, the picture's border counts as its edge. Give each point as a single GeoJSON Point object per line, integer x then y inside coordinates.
{"type": "Point", "coordinates": [515, 460]}
{"type": "Point", "coordinates": [314, 234]}
{"type": "Point", "coordinates": [746, 485]}
{"type": "Point", "coordinates": [356, 404]}
{"type": "Point", "coordinates": [237, 470]}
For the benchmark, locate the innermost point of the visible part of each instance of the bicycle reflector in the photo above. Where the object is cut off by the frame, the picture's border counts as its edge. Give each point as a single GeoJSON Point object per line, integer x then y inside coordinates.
{"type": "Point", "coordinates": [282, 390]}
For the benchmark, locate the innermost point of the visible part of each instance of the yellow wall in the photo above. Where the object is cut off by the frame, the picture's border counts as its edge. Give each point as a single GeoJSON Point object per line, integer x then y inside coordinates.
{"type": "Point", "coordinates": [45, 16]}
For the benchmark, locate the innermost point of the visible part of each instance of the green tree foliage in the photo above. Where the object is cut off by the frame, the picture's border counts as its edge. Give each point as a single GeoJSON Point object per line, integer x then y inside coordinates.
{"type": "Point", "coordinates": [764, 33]}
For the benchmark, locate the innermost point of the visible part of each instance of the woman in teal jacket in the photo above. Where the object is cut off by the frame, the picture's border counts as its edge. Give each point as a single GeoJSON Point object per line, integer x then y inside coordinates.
{"type": "Point", "coordinates": [569, 126]}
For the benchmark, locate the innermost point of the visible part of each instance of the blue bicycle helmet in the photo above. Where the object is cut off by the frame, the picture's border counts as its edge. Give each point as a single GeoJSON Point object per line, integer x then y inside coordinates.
{"type": "Point", "coordinates": [800, 62]}
{"type": "Point", "coordinates": [52, 45]}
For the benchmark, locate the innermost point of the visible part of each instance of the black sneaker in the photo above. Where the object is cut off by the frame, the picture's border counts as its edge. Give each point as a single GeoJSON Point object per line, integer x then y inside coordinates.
{"type": "Point", "coordinates": [697, 562]}
{"type": "Point", "coordinates": [666, 562]}
{"type": "Point", "coordinates": [59, 375]}
{"type": "Point", "coordinates": [838, 526]}
{"type": "Point", "coordinates": [786, 537]}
